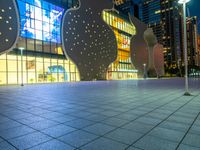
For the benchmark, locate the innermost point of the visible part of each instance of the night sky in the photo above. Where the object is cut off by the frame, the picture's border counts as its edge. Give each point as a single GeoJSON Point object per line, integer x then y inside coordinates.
{"type": "Point", "coordinates": [194, 10]}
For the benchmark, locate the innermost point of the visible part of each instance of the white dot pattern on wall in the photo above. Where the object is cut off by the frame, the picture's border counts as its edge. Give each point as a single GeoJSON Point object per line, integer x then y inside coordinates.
{"type": "Point", "coordinates": [92, 43]}
{"type": "Point", "coordinates": [8, 25]}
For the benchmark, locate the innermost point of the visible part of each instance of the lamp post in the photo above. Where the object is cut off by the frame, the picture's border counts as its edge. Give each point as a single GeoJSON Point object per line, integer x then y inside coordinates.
{"type": "Point", "coordinates": [183, 2]}
{"type": "Point", "coordinates": [21, 49]}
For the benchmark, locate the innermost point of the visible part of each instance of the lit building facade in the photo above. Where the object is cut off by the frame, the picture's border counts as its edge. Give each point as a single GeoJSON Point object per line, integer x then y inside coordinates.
{"type": "Point", "coordinates": [122, 68]}
{"type": "Point", "coordinates": [43, 60]}
{"type": "Point", "coordinates": [38, 56]}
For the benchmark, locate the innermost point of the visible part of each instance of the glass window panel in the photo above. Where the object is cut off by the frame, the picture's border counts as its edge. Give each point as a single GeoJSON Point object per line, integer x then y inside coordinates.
{"type": "Point", "coordinates": [46, 27]}
{"type": "Point", "coordinates": [3, 78]}
{"type": "Point", "coordinates": [38, 25]}
{"type": "Point", "coordinates": [38, 13]}
{"type": "Point", "coordinates": [3, 65]}
{"type": "Point", "coordinates": [31, 77]}
{"type": "Point", "coordinates": [45, 5]}
{"type": "Point", "coordinates": [30, 44]}
{"type": "Point", "coordinates": [38, 44]}
{"type": "Point", "coordinates": [12, 77]}
{"type": "Point", "coordinates": [32, 11]}
{"type": "Point", "coordinates": [22, 8]}
{"type": "Point", "coordinates": [39, 35]}
{"type": "Point", "coordinates": [30, 33]}
{"type": "Point", "coordinates": [46, 47]}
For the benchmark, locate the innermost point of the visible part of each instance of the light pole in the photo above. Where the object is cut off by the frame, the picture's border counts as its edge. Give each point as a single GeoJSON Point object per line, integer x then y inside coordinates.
{"type": "Point", "coordinates": [21, 49]}
{"type": "Point", "coordinates": [183, 2]}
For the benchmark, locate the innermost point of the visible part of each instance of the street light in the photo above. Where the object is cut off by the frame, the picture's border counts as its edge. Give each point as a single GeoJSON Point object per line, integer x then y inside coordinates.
{"type": "Point", "coordinates": [21, 49]}
{"type": "Point", "coordinates": [183, 2]}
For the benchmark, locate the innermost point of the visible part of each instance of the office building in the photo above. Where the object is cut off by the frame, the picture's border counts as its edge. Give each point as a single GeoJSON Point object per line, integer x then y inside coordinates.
{"type": "Point", "coordinates": [192, 40]}
{"type": "Point", "coordinates": [164, 16]}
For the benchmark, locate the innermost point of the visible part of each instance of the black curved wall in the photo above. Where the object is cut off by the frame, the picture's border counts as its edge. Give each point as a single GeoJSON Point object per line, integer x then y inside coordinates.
{"type": "Point", "coordinates": [87, 40]}
{"type": "Point", "coordinates": [9, 25]}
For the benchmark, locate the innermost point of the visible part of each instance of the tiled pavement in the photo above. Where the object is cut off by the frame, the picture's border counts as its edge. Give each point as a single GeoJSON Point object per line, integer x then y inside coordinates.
{"type": "Point", "coordinates": [113, 115]}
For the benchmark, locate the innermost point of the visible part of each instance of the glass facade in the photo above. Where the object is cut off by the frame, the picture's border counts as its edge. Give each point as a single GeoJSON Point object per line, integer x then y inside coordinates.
{"type": "Point", "coordinates": [42, 60]}
{"type": "Point", "coordinates": [37, 68]}
{"type": "Point", "coordinates": [122, 68]}
{"type": "Point", "coordinates": [40, 20]}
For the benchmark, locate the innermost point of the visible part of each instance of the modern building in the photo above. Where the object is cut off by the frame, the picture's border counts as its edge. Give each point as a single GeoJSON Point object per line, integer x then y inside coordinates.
{"type": "Point", "coordinates": [198, 52]}
{"type": "Point", "coordinates": [38, 56]}
{"type": "Point", "coordinates": [128, 7]}
{"type": "Point", "coordinates": [192, 40]}
{"type": "Point", "coordinates": [43, 60]}
{"type": "Point", "coordinates": [122, 68]}
{"type": "Point", "coordinates": [164, 16]}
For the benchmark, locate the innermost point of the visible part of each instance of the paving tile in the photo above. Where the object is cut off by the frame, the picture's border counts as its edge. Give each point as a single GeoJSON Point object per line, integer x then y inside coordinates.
{"type": "Point", "coordinates": [124, 136]}
{"type": "Point", "coordinates": [171, 135]}
{"type": "Point", "coordinates": [3, 119]}
{"type": "Point", "coordinates": [133, 148]}
{"type": "Point", "coordinates": [175, 126]}
{"type": "Point", "coordinates": [51, 115]}
{"type": "Point", "coordinates": [148, 120]}
{"type": "Point", "coordinates": [53, 145]}
{"type": "Point", "coordinates": [58, 130]}
{"type": "Point", "coordinates": [99, 129]}
{"type": "Point", "coordinates": [63, 119]}
{"type": "Point", "coordinates": [80, 114]}
{"type": "Point", "coordinates": [115, 122]}
{"type": "Point", "coordinates": [153, 143]}
{"type": "Point", "coordinates": [104, 144]}
{"type": "Point", "coordinates": [79, 123]}
{"type": "Point", "coordinates": [182, 120]}
{"type": "Point", "coordinates": [6, 146]}
{"type": "Point", "coordinates": [30, 140]}
{"type": "Point", "coordinates": [187, 147]}
{"type": "Point", "coordinates": [97, 117]}
{"type": "Point", "coordinates": [40, 125]}
{"type": "Point", "coordinates": [15, 132]}
{"type": "Point", "coordinates": [30, 120]}
{"type": "Point", "coordinates": [138, 127]}
{"type": "Point", "coordinates": [20, 116]}
{"type": "Point", "coordinates": [126, 116]}
{"type": "Point", "coordinates": [192, 140]}
{"type": "Point", "coordinates": [78, 138]}
{"type": "Point", "coordinates": [156, 115]}
{"type": "Point", "coordinates": [195, 130]}
{"type": "Point", "coordinates": [110, 113]}
{"type": "Point", "coordinates": [112, 104]}
{"type": "Point", "coordinates": [9, 124]}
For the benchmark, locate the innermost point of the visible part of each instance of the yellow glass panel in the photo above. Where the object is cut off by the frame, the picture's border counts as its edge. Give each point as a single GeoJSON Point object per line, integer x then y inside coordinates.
{"type": "Point", "coordinates": [2, 65]}
{"type": "Point", "coordinates": [2, 78]}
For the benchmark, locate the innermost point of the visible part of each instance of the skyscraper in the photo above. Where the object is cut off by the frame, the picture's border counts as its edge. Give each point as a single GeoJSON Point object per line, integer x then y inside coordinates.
{"type": "Point", "coordinates": [164, 16]}
{"type": "Point", "coordinates": [192, 40]}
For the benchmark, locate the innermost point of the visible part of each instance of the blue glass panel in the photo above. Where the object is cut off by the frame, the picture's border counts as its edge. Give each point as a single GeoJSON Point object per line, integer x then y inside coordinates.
{"type": "Point", "coordinates": [45, 5]}
{"type": "Point", "coordinates": [22, 7]}
{"type": "Point", "coordinates": [30, 2]}
{"type": "Point", "coordinates": [30, 33]}
{"type": "Point", "coordinates": [40, 20]}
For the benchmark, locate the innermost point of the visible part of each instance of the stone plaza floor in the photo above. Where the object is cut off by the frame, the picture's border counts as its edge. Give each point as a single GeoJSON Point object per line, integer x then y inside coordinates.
{"type": "Point", "coordinates": [104, 115]}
